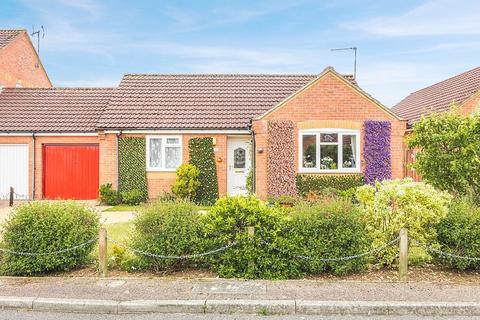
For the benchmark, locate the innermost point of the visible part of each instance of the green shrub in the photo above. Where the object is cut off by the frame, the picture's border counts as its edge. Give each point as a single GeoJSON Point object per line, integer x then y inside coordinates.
{"type": "Point", "coordinates": [329, 229]}
{"type": "Point", "coordinates": [307, 183]}
{"type": "Point", "coordinates": [43, 227]}
{"type": "Point", "coordinates": [267, 255]}
{"type": "Point", "coordinates": [186, 183]}
{"type": "Point", "coordinates": [391, 205]}
{"type": "Point", "coordinates": [249, 182]}
{"type": "Point", "coordinates": [132, 171]}
{"type": "Point", "coordinates": [459, 234]}
{"type": "Point", "coordinates": [133, 197]}
{"type": "Point", "coordinates": [202, 156]}
{"type": "Point", "coordinates": [166, 228]}
{"type": "Point", "coordinates": [448, 156]}
{"type": "Point", "coordinates": [109, 196]}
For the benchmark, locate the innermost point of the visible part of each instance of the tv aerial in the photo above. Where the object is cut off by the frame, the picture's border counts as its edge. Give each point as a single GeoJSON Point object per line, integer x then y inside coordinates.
{"type": "Point", "coordinates": [354, 61]}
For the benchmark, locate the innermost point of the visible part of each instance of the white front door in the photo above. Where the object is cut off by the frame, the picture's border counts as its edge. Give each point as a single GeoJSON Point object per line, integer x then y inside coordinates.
{"type": "Point", "coordinates": [239, 163]}
{"type": "Point", "coordinates": [14, 170]}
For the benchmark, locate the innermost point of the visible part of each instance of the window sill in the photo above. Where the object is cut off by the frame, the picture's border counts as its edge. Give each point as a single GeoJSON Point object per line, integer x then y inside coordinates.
{"type": "Point", "coordinates": [160, 170]}
{"type": "Point", "coordinates": [343, 171]}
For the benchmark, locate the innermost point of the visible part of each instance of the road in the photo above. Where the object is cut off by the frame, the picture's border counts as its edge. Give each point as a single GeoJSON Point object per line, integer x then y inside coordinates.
{"type": "Point", "coordinates": [30, 315]}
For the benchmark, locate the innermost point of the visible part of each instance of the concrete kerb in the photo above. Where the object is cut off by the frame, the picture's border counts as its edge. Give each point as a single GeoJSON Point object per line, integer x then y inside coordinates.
{"type": "Point", "coordinates": [300, 307]}
{"type": "Point", "coordinates": [387, 308]}
{"type": "Point", "coordinates": [251, 306]}
{"type": "Point", "coordinates": [162, 306]}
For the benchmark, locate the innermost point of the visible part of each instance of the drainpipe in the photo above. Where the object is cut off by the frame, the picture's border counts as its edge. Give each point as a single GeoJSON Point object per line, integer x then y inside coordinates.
{"type": "Point", "coordinates": [119, 134]}
{"type": "Point", "coordinates": [253, 156]}
{"type": "Point", "coordinates": [33, 165]}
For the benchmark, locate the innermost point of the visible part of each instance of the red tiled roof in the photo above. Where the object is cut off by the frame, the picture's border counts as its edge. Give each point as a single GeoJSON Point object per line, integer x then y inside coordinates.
{"type": "Point", "coordinates": [440, 96]}
{"type": "Point", "coordinates": [52, 109]}
{"type": "Point", "coordinates": [8, 35]}
{"type": "Point", "coordinates": [204, 101]}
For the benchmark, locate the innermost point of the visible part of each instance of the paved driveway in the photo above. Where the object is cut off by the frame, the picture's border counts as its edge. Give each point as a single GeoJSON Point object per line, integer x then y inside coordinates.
{"type": "Point", "coordinates": [106, 217]}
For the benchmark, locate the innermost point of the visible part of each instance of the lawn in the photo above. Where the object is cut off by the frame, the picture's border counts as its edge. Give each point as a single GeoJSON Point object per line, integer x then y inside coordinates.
{"type": "Point", "coordinates": [122, 207]}
{"type": "Point", "coordinates": [118, 231]}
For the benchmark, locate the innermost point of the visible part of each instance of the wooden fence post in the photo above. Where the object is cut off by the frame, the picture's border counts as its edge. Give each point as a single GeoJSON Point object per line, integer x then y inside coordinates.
{"type": "Point", "coordinates": [10, 202]}
{"type": "Point", "coordinates": [251, 235]}
{"type": "Point", "coordinates": [403, 260]}
{"type": "Point", "coordinates": [102, 252]}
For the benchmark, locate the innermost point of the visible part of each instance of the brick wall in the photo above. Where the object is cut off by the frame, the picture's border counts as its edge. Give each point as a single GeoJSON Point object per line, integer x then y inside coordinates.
{"type": "Point", "coordinates": [472, 104]}
{"type": "Point", "coordinates": [19, 64]}
{"type": "Point", "coordinates": [159, 182]}
{"type": "Point", "coordinates": [328, 103]}
{"type": "Point", "coordinates": [39, 142]}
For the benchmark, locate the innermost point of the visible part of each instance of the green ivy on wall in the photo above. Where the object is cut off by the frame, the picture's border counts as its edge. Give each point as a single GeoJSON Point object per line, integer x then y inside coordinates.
{"type": "Point", "coordinates": [313, 183]}
{"type": "Point", "coordinates": [132, 171]}
{"type": "Point", "coordinates": [202, 156]}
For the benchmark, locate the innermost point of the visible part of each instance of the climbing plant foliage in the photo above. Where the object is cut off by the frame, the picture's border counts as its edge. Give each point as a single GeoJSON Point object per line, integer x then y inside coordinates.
{"type": "Point", "coordinates": [132, 171]}
{"type": "Point", "coordinates": [202, 156]}
{"type": "Point", "coordinates": [281, 158]}
{"type": "Point", "coordinates": [378, 162]}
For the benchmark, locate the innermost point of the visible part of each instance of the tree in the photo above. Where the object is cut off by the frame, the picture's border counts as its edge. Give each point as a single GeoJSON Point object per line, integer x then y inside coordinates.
{"type": "Point", "coordinates": [449, 151]}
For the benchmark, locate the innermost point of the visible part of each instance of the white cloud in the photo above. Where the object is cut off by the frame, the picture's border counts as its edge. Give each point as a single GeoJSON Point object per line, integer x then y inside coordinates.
{"type": "Point", "coordinates": [434, 17]}
{"type": "Point", "coordinates": [391, 82]}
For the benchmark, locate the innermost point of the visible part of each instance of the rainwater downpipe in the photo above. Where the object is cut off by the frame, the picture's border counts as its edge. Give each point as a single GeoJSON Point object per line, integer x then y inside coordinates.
{"type": "Point", "coordinates": [253, 157]}
{"type": "Point", "coordinates": [33, 165]}
{"type": "Point", "coordinates": [119, 134]}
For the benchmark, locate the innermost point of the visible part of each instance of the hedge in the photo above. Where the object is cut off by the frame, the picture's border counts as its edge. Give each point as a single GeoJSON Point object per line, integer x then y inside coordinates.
{"type": "Point", "coordinates": [202, 156]}
{"type": "Point", "coordinates": [44, 227]}
{"type": "Point", "coordinates": [132, 171]}
{"type": "Point", "coordinates": [307, 183]}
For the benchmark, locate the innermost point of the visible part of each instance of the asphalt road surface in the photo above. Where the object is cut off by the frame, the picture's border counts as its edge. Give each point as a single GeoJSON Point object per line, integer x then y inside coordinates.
{"type": "Point", "coordinates": [31, 315]}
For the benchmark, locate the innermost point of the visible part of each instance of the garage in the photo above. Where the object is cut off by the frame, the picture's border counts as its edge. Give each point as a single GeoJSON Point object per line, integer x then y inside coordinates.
{"type": "Point", "coordinates": [70, 171]}
{"type": "Point", "coordinates": [14, 170]}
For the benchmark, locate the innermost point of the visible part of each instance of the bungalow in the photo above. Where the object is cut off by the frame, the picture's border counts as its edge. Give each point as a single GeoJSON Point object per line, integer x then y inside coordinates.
{"type": "Point", "coordinates": [278, 126]}
{"type": "Point", "coordinates": [462, 90]}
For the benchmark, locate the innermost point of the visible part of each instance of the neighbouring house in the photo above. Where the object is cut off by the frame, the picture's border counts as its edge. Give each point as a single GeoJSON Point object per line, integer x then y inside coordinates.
{"type": "Point", "coordinates": [462, 90]}
{"type": "Point", "coordinates": [20, 65]}
{"type": "Point", "coordinates": [49, 146]}
{"type": "Point", "coordinates": [278, 126]}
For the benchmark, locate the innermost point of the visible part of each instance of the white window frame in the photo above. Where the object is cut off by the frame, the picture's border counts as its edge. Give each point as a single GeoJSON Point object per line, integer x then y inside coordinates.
{"type": "Point", "coordinates": [164, 145]}
{"type": "Point", "coordinates": [340, 133]}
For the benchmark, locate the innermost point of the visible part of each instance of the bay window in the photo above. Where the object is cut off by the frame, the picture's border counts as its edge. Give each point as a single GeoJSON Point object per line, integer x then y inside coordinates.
{"type": "Point", "coordinates": [329, 150]}
{"type": "Point", "coordinates": [164, 153]}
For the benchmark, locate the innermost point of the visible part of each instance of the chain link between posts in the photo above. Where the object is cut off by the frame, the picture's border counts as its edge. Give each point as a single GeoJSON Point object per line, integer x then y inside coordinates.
{"type": "Point", "coordinates": [344, 258]}
{"type": "Point", "coordinates": [443, 253]}
{"type": "Point", "coordinates": [182, 257]}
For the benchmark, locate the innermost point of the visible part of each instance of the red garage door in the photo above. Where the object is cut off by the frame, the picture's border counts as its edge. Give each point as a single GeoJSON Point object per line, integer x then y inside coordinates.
{"type": "Point", "coordinates": [70, 171]}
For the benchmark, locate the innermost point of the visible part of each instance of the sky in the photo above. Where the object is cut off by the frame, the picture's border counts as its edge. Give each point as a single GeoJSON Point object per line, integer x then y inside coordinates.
{"type": "Point", "coordinates": [402, 46]}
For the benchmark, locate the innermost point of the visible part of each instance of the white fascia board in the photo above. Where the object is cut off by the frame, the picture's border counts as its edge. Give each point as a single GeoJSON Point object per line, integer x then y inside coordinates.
{"type": "Point", "coordinates": [69, 134]}
{"type": "Point", "coordinates": [153, 132]}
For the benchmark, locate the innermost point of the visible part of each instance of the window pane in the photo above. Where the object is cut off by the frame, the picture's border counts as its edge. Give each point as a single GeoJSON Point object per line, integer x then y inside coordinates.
{"type": "Point", "coordinates": [328, 137]}
{"type": "Point", "coordinates": [239, 158]}
{"type": "Point", "coordinates": [349, 151]}
{"type": "Point", "coordinates": [328, 157]}
{"type": "Point", "coordinates": [155, 153]}
{"type": "Point", "coordinates": [172, 157]}
{"type": "Point", "coordinates": [309, 147]}
{"type": "Point", "coordinates": [172, 141]}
